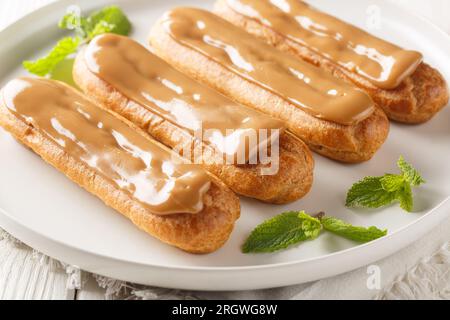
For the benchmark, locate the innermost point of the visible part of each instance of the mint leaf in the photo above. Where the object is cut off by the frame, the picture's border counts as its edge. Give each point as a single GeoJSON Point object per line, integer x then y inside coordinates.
{"type": "Point", "coordinates": [411, 175]}
{"type": "Point", "coordinates": [369, 193]}
{"type": "Point", "coordinates": [45, 65]}
{"type": "Point", "coordinates": [375, 192]}
{"type": "Point", "coordinates": [404, 195]}
{"type": "Point", "coordinates": [392, 182]}
{"type": "Point", "coordinates": [346, 230]}
{"type": "Point", "coordinates": [110, 19]}
{"type": "Point", "coordinates": [281, 232]}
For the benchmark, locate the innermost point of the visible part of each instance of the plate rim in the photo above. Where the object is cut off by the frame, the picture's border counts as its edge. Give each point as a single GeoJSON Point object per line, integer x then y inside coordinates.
{"type": "Point", "coordinates": [193, 278]}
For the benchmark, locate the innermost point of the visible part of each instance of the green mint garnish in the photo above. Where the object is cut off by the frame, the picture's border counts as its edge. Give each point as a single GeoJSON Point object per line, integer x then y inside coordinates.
{"type": "Point", "coordinates": [110, 19]}
{"type": "Point", "coordinates": [291, 228]}
{"type": "Point", "coordinates": [376, 192]}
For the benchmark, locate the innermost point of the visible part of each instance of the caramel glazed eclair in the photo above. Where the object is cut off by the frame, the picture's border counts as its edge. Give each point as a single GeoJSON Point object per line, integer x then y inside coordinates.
{"type": "Point", "coordinates": [408, 89]}
{"type": "Point", "coordinates": [332, 117]}
{"type": "Point", "coordinates": [125, 77]}
{"type": "Point", "coordinates": [179, 203]}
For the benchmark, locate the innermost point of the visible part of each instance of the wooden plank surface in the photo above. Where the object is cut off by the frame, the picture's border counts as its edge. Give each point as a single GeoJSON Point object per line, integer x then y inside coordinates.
{"type": "Point", "coordinates": [27, 276]}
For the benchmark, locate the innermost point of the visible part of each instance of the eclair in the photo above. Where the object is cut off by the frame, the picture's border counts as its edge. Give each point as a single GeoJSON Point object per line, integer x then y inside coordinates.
{"type": "Point", "coordinates": [332, 117]}
{"type": "Point", "coordinates": [177, 202]}
{"type": "Point", "coordinates": [125, 77]}
{"type": "Point", "coordinates": [408, 89]}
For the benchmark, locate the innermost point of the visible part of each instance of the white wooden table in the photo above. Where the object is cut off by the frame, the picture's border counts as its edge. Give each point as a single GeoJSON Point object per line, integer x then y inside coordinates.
{"type": "Point", "coordinates": [25, 276]}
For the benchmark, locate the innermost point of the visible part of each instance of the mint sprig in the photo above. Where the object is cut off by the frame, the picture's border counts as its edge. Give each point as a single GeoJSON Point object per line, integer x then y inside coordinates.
{"type": "Point", "coordinates": [291, 228]}
{"type": "Point", "coordinates": [376, 192]}
{"type": "Point", "coordinates": [110, 19]}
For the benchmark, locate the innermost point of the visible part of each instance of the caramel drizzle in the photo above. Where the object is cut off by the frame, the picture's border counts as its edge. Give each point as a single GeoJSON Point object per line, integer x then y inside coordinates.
{"type": "Point", "coordinates": [382, 63]}
{"type": "Point", "coordinates": [309, 88]}
{"type": "Point", "coordinates": [136, 165]}
{"type": "Point", "coordinates": [148, 80]}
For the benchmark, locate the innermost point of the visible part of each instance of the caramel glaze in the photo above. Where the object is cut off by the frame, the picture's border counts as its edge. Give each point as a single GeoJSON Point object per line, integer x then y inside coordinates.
{"type": "Point", "coordinates": [98, 139]}
{"type": "Point", "coordinates": [382, 63]}
{"type": "Point", "coordinates": [308, 87]}
{"type": "Point", "coordinates": [148, 80]}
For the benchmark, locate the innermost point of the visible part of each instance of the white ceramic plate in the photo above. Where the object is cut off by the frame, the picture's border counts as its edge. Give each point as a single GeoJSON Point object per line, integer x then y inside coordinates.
{"type": "Point", "coordinates": [47, 211]}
